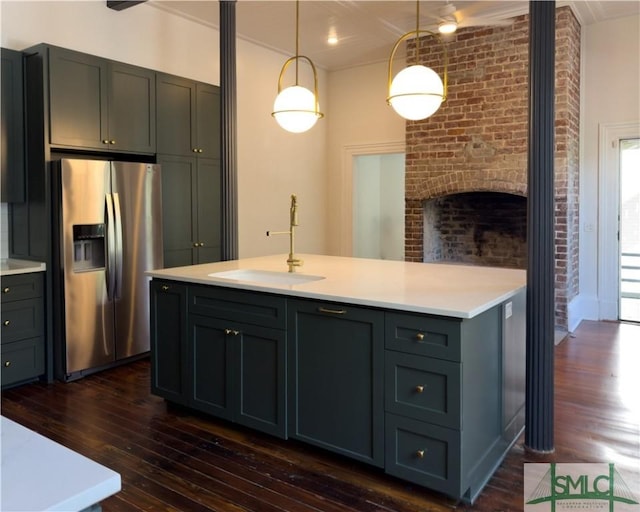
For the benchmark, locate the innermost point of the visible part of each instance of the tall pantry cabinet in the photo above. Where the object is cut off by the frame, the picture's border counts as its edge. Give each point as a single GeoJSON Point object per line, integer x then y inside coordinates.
{"type": "Point", "coordinates": [188, 135]}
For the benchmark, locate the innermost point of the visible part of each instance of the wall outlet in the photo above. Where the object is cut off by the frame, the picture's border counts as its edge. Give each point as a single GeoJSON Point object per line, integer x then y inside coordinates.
{"type": "Point", "coordinates": [508, 310]}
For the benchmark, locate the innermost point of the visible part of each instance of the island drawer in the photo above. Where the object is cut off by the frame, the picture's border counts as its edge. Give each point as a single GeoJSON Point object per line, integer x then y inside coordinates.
{"type": "Point", "coordinates": [422, 453]}
{"type": "Point", "coordinates": [423, 335]}
{"type": "Point", "coordinates": [21, 286]}
{"type": "Point", "coordinates": [237, 305]}
{"type": "Point", "coordinates": [22, 361]}
{"type": "Point", "coordinates": [423, 388]}
{"type": "Point", "coordinates": [21, 319]}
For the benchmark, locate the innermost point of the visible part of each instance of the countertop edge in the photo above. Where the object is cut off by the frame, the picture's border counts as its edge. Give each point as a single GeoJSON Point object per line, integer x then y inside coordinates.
{"type": "Point", "coordinates": [360, 301]}
{"type": "Point", "coordinates": [20, 266]}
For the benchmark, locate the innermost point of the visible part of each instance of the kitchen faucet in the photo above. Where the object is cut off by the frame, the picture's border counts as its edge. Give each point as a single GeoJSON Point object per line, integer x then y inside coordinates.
{"type": "Point", "coordinates": [292, 261]}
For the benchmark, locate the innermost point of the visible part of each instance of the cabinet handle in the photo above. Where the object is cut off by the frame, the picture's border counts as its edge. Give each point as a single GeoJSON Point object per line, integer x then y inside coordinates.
{"type": "Point", "coordinates": [7, 364]}
{"type": "Point", "coordinates": [420, 454]}
{"type": "Point", "coordinates": [333, 311]}
{"type": "Point", "coordinates": [231, 331]}
{"type": "Point", "coordinates": [105, 141]}
{"type": "Point", "coordinates": [201, 244]}
{"type": "Point", "coordinates": [165, 287]}
{"type": "Point", "coordinates": [6, 289]}
{"type": "Point", "coordinates": [112, 142]}
{"type": "Point", "coordinates": [195, 244]}
{"type": "Point", "coordinates": [7, 322]}
{"type": "Point", "coordinates": [420, 388]}
{"type": "Point", "coordinates": [420, 336]}
{"type": "Point", "coordinates": [195, 150]}
{"type": "Point", "coordinates": [199, 150]}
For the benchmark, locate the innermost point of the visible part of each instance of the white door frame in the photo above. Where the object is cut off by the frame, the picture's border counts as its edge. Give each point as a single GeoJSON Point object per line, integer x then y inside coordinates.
{"type": "Point", "coordinates": [346, 200]}
{"type": "Point", "coordinates": [608, 244]}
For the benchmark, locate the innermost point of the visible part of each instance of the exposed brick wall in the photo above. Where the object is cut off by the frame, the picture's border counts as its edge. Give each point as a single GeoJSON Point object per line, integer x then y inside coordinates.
{"type": "Point", "coordinates": [477, 141]}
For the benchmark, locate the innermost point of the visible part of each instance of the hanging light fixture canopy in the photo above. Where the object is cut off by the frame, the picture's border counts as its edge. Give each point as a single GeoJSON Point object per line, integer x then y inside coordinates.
{"type": "Point", "coordinates": [417, 91]}
{"type": "Point", "coordinates": [296, 108]}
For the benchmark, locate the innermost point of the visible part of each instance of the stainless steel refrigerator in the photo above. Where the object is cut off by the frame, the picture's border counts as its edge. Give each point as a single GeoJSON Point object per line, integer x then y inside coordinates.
{"type": "Point", "coordinates": [108, 233]}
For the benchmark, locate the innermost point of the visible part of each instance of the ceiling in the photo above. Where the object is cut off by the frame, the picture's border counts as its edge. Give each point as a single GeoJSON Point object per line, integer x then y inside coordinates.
{"type": "Point", "coordinates": [366, 29]}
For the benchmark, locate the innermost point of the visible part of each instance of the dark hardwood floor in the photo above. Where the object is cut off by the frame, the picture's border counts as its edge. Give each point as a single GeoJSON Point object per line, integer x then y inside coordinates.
{"type": "Point", "coordinates": [171, 459]}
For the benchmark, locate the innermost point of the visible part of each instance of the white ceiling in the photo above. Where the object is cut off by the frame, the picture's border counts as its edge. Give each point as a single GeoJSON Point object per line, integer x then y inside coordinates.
{"type": "Point", "coordinates": [366, 29]}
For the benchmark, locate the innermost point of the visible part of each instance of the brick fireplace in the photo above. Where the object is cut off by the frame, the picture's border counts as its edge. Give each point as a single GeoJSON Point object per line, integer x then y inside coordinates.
{"type": "Point", "coordinates": [466, 166]}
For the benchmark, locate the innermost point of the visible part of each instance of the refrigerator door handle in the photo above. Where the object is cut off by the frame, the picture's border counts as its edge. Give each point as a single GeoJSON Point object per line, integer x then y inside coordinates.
{"type": "Point", "coordinates": [119, 248]}
{"type": "Point", "coordinates": [111, 247]}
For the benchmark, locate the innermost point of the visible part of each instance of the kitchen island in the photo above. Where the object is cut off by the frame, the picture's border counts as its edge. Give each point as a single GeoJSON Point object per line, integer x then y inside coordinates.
{"type": "Point", "coordinates": [414, 368]}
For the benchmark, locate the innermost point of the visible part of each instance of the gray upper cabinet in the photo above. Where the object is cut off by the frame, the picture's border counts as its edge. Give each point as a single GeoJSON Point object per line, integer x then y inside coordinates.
{"type": "Point", "coordinates": [12, 131]}
{"type": "Point", "coordinates": [188, 117]}
{"type": "Point", "coordinates": [99, 104]}
{"type": "Point", "coordinates": [188, 141]}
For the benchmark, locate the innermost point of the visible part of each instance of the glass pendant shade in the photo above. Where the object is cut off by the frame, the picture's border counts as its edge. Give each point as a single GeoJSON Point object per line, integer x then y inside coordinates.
{"type": "Point", "coordinates": [295, 109]}
{"type": "Point", "coordinates": [416, 92]}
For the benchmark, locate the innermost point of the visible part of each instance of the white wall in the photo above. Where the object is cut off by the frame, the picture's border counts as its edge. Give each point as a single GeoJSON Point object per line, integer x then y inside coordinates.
{"type": "Point", "coordinates": [361, 117]}
{"type": "Point", "coordinates": [610, 94]}
{"type": "Point", "coordinates": [271, 163]}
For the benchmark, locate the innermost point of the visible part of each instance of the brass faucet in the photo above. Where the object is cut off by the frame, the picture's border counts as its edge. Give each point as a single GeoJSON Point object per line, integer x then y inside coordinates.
{"type": "Point", "coordinates": [292, 261]}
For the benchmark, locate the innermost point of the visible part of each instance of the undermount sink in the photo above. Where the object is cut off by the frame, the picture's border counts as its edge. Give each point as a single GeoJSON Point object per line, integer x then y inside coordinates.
{"type": "Point", "coordinates": [266, 276]}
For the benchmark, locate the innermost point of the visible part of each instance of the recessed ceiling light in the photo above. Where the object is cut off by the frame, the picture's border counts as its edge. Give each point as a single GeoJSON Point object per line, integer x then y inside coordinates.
{"type": "Point", "coordinates": [332, 38]}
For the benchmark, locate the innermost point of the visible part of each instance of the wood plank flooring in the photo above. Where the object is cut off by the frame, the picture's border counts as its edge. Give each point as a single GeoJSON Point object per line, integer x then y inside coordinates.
{"type": "Point", "coordinates": [172, 459]}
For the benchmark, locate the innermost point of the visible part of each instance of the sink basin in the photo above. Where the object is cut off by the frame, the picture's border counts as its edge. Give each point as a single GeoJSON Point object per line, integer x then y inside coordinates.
{"type": "Point", "coordinates": [266, 276]}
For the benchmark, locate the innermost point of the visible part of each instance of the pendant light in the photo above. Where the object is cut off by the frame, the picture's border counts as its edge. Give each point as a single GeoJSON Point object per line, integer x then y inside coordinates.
{"type": "Point", "coordinates": [296, 108]}
{"type": "Point", "coordinates": [417, 91]}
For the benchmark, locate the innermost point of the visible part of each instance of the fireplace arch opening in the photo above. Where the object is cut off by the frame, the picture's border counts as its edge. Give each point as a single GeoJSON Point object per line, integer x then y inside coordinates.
{"type": "Point", "coordinates": [478, 228]}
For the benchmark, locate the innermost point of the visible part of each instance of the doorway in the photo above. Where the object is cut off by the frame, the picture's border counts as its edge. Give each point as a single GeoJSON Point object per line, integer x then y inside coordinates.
{"type": "Point", "coordinates": [629, 230]}
{"type": "Point", "coordinates": [378, 206]}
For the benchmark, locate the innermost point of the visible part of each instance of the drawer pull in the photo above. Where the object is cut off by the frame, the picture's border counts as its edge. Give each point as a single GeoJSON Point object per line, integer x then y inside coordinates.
{"type": "Point", "coordinates": [7, 364]}
{"type": "Point", "coordinates": [231, 331]}
{"type": "Point", "coordinates": [332, 311]}
{"type": "Point", "coordinates": [6, 289]}
{"type": "Point", "coordinates": [420, 336]}
{"type": "Point", "coordinates": [420, 454]}
{"type": "Point", "coordinates": [165, 287]}
{"type": "Point", "coordinates": [419, 389]}
{"type": "Point", "coordinates": [6, 323]}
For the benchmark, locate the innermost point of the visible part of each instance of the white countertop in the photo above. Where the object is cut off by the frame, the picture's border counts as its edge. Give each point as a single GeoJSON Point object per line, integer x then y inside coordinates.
{"type": "Point", "coordinates": [39, 474]}
{"type": "Point", "coordinates": [454, 290]}
{"type": "Point", "coordinates": [13, 266]}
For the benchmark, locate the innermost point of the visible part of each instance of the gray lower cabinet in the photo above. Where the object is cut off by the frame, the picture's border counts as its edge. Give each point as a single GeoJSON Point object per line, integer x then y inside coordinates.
{"type": "Point", "coordinates": [23, 340]}
{"type": "Point", "coordinates": [221, 352]}
{"type": "Point", "coordinates": [169, 339]}
{"type": "Point", "coordinates": [433, 400]}
{"type": "Point", "coordinates": [445, 390]}
{"type": "Point", "coordinates": [336, 378]}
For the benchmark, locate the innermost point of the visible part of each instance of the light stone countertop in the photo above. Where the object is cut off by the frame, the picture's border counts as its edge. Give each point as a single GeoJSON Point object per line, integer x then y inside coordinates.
{"type": "Point", "coordinates": [453, 290]}
{"type": "Point", "coordinates": [40, 474]}
{"type": "Point", "coordinates": [12, 266]}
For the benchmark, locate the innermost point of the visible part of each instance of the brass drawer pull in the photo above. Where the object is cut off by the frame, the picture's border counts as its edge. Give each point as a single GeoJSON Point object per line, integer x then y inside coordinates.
{"type": "Point", "coordinates": [332, 311]}
{"type": "Point", "coordinates": [7, 364]}
{"type": "Point", "coordinates": [6, 323]}
{"type": "Point", "coordinates": [420, 336]}
{"type": "Point", "coordinates": [6, 289]}
{"type": "Point", "coordinates": [231, 331]}
{"type": "Point", "coordinates": [419, 389]}
{"type": "Point", "coordinates": [420, 454]}
{"type": "Point", "coordinates": [165, 287]}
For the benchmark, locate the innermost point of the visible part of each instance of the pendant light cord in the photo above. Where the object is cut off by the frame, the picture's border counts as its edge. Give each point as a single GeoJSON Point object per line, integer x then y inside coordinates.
{"type": "Point", "coordinates": [417, 31]}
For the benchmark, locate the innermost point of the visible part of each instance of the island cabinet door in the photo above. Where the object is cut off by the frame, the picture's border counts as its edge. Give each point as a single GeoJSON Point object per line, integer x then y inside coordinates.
{"type": "Point", "coordinates": [260, 384]}
{"type": "Point", "coordinates": [168, 314]}
{"type": "Point", "coordinates": [336, 377]}
{"type": "Point", "coordinates": [211, 368]}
